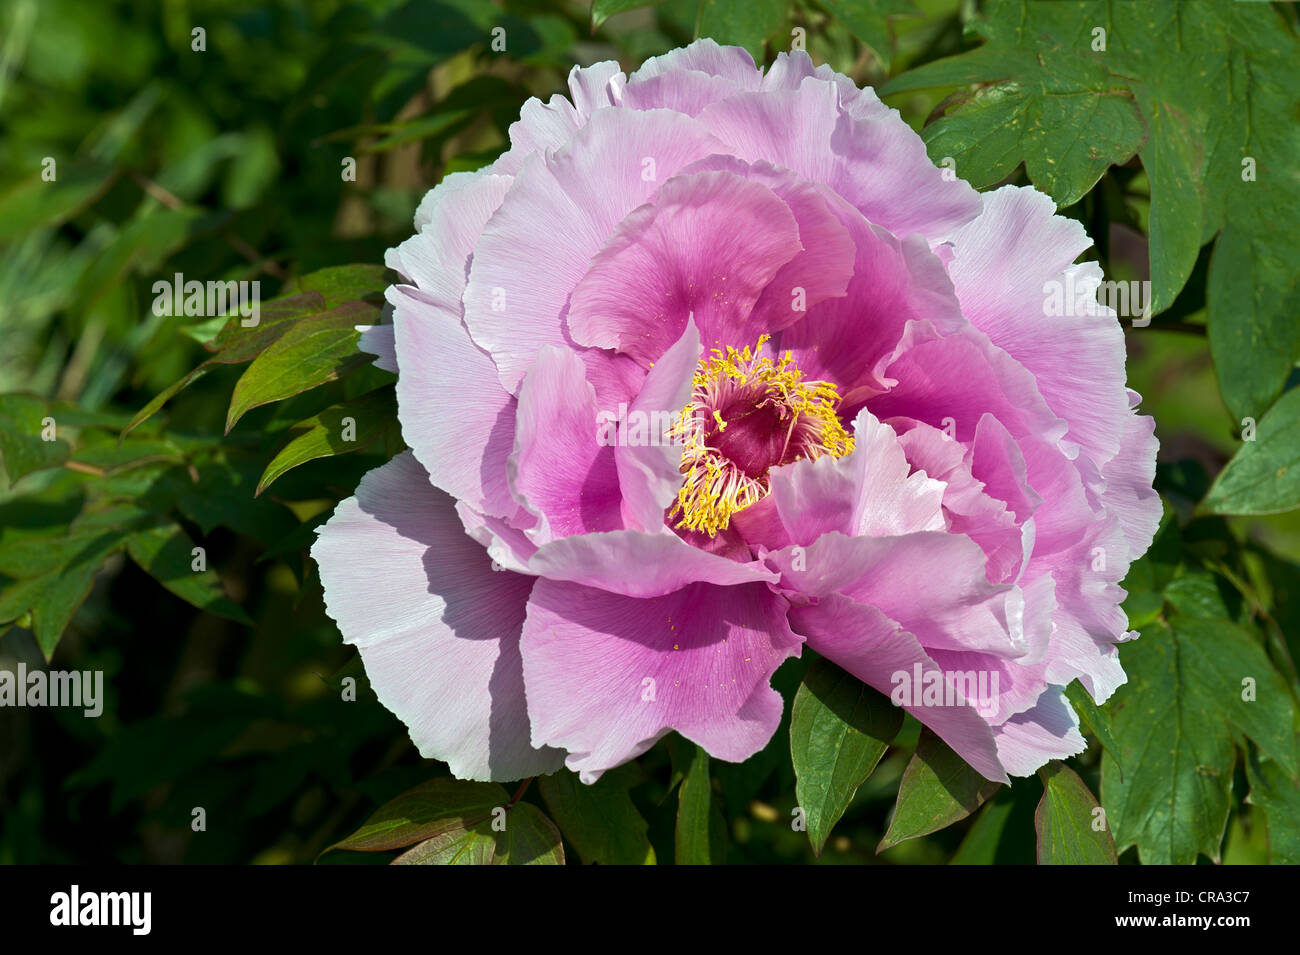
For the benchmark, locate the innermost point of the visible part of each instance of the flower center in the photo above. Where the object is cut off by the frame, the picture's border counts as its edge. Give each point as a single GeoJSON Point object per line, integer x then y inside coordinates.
{"type": "Point", "coordinates": [748, 414]}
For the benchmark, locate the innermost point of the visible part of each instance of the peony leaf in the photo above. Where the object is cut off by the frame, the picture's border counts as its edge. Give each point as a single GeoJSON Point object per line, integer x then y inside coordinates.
{"type": "Point", "coordinates": [1070, 88]}
{"type": "Point", "coordinates": [1093, 718]}
{"type": "Point", "coordinates": [1067, 821]}
{"type": "Point", "coordinates": [346, 283]}
{"type": "Point", "coordinates": [24, 428]}
{"type": "Point", "coordinates": [1192, 684]}
{"type": "Point", "coordinates": [526, 838]}
{"type": "Point", "coordinates": [699, 836]}
{"type": "Point", "coordinates": [459, 823]}
{"type": "Point", "coordinates": [839, 730]}
{"type": "Point", "coordinates": [32, 203]}
{"type": "Point", "coordinates": [53, 596]}
{"type": "Point", "coordinates": [868, 20]}
{"type": "Point", "coordinates": [166, 554]}
{"type": "Point", "coordinates": [600, 820]}
{"type": "Point", "coordinates": [602, 10]}
{"type": "Point", "coordinates": [1039, 97]}
{"type": "Point", "coordinates": [1272, 791]}
{"type": "Point", "coordinates": [368, 419]}
{"type": "Point", "coordinates": [315, 350]}
{"type": "Point", "coordinates": [938, 789]}
{"type": "Point", "coordinates": [1003, 831]}
{"type": "Point", "coordinates": [747, 23]}
{"type": "Point", "coordinates": [236, 344]}
{"type": "Point", "coordinates": [1263, 477]}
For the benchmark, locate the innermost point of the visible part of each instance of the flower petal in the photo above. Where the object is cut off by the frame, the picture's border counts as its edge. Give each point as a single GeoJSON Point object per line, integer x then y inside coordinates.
{"type": "Point", "coordinates": [608, 675]}
{"type": "Point", "coordinates": [875, 649]}
{"type": "Point", "coordinates": [437, 629]}
{"type": "Point", "coordinates": [558, 470]}
{"type": "Point", "coordinates": [521, 277]}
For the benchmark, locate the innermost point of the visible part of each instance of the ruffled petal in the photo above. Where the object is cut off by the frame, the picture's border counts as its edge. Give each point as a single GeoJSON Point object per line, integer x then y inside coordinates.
{"type": "Point", "coordinates": [521, 276]}
{"type": "Point", "coordinates": [870, 492]}
{"type": "Point", "coordinates": [559, 470]}
{"type": "Point", "coordinates": [706, 247]}
{"type": "Point", "coordinates": [608, 675]}
{"type": "Point", "coordinates": [449, 221]}
{"type": "Point", "coordinates": [872, 159]}
{"type": "Point", "coordinates": [437, 628]}
{"type": "Point", "coordinates": [956, 610]}
{"type": "Point", "coordinates": [882, 654]}
{"type": "Point", "coordinates": [846, 340]}
{"type": "Point", "coordinates": [454, 413]}
{"type": "Point", "coordinates": [1048, 731]}
{"type": "Point", "coordinates": [1012, 268]}
{"type": "Point", "coordinates": [636, 564]}
{"type": "Point", "coordinates": [649, 469]}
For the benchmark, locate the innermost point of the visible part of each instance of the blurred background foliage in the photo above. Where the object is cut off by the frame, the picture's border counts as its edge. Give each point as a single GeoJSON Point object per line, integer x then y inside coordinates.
{"type": "Point", "coordinates": [226, 163]}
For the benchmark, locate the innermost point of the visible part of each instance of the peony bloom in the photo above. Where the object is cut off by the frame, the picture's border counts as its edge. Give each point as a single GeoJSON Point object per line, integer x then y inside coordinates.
{"type": "Point", "coordinates": [714, 364]}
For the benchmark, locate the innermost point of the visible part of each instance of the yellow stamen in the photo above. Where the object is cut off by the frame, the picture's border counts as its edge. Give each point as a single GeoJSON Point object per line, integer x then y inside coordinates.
{"type": "Point", "coordinates": [715, 487]}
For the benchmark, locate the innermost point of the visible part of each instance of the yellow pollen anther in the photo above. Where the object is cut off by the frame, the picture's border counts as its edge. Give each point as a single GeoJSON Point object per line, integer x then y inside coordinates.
{"type": "Point", "coordinates": [715, 487]}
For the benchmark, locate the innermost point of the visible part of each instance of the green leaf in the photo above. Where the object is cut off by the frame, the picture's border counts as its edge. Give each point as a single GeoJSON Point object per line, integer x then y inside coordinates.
{"type": "Point", "coordinates": [868, 20]}
{"type": "Point", "coordinates": [1253, 302]}
{"type": "Point", "coordinates": [166, 554]}
{"type": "Point", "coordinates": [1093, 718]}
{"type": "Point", "coordinates": [1263, 476]}
{"type": "Point", "coordinates": [602, 10]}
{"type": "Point", "coordinates": [1003, 831]}
{"type": "Point", "coordinates": [1040, 98]}
{"type": "Point", "coordinates": [1042, 95]}
{"type": "Point", "coordinates": [430, 809]}
{"type": "Point", "coordinates": [839, 730]}
{"type": "Point", "coordinates": [373, 417]}
{"type": "Point", "coordinates": [600, 820]}
{"type": "Point", "coordinates": [1174, 722]}
{"type": "Point", "coordinates": [938, 789]}
{"type": "Point", "coordinates": [747, 23]}
{"type": "Point", "coordinates": [53, 597]}
{"type": "Point", "coordinates": [1278, 796]}
{"type": "Point", "coordinates": [23, 445]}
{"type": "Point", "coordinates": [526, 838]}
{"type": "Point", "coordinates": [340, 284]}
{"type": "Point", "coordinates": [236, 344]}
{"type": "Point", "coordinates": [1066, 821]}
{"type": "Point", "coordinates": [698, 839]}
{"type": "Point", "coordinates": [33, 203]}
{"type": "Point", "coordinates": [315, 350]}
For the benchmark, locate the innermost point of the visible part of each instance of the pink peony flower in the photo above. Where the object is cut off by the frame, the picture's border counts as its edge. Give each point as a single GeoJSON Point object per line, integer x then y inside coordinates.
{"type": "Point", "coordinates": [714, 364]}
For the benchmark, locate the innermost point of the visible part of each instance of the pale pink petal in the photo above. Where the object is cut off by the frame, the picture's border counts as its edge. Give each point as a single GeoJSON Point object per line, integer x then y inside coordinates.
{"type": "Point", "coordinates": [958, 609]}
{"type": "Point", "coordinates": [877, 651]}
{"type": "Point", "coordinates": [1008, 265]}
{"type": "Point", "coordinates": [558, 469]}
{"type": "Point", "coordinates": [1048, 731]}
{"type": "Point", "coordinates": [454, 413]}
{"type": "Point", "coordinates": [560, 211]}
{"type": "Point", "coordinates": [869, 492]}
{"type": "Point", "coordinates": [731, 63]}
{"type": "Point", "coordinates": [649, 471]}
{"type": "Point", "coordinates": [450, 220]}
{"type": "Point", "coordinates": [874, 160]}
{"type": "Point", "coordinates": [637, 564]}
{"type": "Point", "coordinates": [608, 675]}
{"type": "Point", "coordinates": [706, 247]}
{"type": "Point", "coordinates": [437, 628]}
